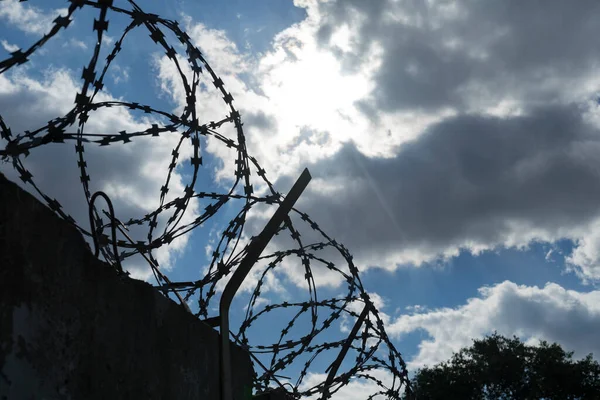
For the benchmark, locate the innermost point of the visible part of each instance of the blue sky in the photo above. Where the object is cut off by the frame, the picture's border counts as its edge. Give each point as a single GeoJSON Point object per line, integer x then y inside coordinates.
{"type": "Point", "coordinates": [454, 148]}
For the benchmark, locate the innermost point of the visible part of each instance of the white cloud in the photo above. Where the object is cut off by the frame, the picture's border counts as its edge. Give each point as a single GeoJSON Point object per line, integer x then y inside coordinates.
{"type": "Point", "coordinates": [297, 102]}
{"type": "Point", "coordinates": [119, 74]}
{"type": "Point", "coordinates": [107, 40]}
{"type": "Point", "coordinates": [9, 47]}
{"type": "Point", "coordinates": [76, 43]}
{"type": "Point", "coordinates": [28, 18]}
{"type": "Point", "coordinates": [550, 313]}
{"type": "Point", "coordinates": [585, 258]}
{"type": "Point", "coordinates": [221, 52]}
{"type": "Point", "coordinates": [356, 389]}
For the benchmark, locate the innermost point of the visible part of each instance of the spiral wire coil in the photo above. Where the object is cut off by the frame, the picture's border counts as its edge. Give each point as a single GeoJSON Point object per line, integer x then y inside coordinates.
{"type": "Point", "coordinates": [371, 346]}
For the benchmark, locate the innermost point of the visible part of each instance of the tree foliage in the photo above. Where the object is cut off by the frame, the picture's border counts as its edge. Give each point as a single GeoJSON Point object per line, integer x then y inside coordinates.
{"type": "Point", "coordinates": [497, 367]}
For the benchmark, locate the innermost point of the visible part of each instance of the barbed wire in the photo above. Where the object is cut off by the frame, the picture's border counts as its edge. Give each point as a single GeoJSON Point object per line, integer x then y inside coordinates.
{"type": "Point", "coordinates": [372, 348]}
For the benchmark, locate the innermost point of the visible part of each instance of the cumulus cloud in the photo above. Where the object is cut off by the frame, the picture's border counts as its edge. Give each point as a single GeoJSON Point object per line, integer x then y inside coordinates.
{"type": "Point", "coordinates": [79, 44]}
{"type": "Point", "coordinates": [550, 313]}
{"type": "Point", "coordinates": [28, 18]}
{"type": "Point", "coordinates": [356, 389]}
{"type": "Point", "coordinates": [120, 75]}
{"type": "Point", "coordinates": [470, 182]}
{"type": "Point", "coordinates": [584, 260]}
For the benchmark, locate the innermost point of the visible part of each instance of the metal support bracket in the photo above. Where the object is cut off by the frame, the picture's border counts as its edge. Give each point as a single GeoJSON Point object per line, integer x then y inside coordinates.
{"type": "Point", "coordinates": [333, 368]}
{"type": "Point", "coordinates": [255, 248]}
{"type": "Point", "coordinates": [112, 229]}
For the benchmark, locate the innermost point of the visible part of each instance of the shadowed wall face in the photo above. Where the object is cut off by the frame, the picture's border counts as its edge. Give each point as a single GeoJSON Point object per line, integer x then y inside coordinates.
{"type": "Point", "coordinates": [70, 328]}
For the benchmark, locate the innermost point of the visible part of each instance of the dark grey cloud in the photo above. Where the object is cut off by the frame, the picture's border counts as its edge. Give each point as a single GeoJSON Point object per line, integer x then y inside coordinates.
{"type": "Point", "coordinates": [260, 120]}
{"type": "Point", "coordinates": [468, 180]}
{"type": "Point", "coordinates": [435, 52]}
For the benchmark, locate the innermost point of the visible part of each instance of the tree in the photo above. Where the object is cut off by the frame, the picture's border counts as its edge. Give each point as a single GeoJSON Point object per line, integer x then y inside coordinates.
{"type": "Point", "coordinates": [497, 367]}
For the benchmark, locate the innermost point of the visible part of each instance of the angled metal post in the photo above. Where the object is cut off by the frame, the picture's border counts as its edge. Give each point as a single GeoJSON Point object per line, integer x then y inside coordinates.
{"type": "Point", "coordinates": [255, 249]}
{"type": "Point", "coordinates": [333, 368]}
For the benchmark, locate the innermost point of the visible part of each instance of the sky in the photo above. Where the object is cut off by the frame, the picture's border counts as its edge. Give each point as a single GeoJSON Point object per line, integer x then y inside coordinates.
{"type": "Point", "coordinates": [453, 147]}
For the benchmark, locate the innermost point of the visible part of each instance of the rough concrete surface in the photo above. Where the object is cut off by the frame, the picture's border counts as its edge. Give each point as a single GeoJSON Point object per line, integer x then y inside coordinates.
{"type": "Point", "coordinates": [71, 328]}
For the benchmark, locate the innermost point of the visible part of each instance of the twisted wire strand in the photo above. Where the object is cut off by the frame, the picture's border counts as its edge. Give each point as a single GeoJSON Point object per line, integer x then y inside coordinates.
{"type": "Point", "coordinates": [372, 348]}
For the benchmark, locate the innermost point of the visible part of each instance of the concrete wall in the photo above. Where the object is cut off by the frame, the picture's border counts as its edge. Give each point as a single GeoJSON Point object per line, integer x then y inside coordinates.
{"type": "Point", "coordinates": [70, 328]}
